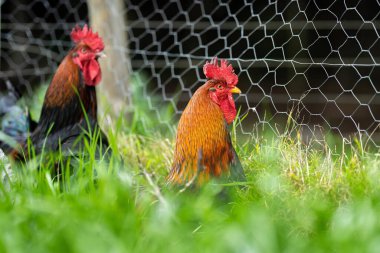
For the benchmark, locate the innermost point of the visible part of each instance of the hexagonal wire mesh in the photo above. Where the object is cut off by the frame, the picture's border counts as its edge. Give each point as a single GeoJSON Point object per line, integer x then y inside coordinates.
{"type": "Point", "coordinates": [319, 58]}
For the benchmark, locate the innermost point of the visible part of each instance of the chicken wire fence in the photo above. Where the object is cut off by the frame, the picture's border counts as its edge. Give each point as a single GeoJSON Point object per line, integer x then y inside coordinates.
{"type": "Point", "coordinates": [316, 62]}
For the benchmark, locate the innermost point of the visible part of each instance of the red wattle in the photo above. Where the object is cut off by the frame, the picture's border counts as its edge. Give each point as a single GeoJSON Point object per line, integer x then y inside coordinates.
{"type": "Point", "coordinates": [92, 72]}
{"type": "Point", "coordinates": [227, 106]}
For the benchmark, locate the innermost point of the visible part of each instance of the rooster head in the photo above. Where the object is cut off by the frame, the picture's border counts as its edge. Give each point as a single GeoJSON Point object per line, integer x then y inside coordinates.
{"type": "Point", "coordinates": [221, 85]}
{"type": "Point", "coordinates": [88, 49]}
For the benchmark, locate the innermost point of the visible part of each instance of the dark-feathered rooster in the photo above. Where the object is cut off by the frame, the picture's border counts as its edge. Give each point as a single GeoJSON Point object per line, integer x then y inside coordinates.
{"type": "Point", "coordinates": [203, 146]}
{"type": "Point", "coordinates": [70, 105]}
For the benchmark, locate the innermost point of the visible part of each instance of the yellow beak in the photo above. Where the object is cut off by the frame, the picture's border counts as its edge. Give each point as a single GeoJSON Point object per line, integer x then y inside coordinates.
{"type": "Point", "coordinates": [101, 55]}
{"type": "Point", "coordinates": [235, 90]}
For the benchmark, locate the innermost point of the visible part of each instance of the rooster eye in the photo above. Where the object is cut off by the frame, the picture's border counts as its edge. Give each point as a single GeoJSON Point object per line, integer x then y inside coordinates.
{"type": "Point", "coordinates": [220, 86]}
{"type": "Point", "coordinates": [84, 50]}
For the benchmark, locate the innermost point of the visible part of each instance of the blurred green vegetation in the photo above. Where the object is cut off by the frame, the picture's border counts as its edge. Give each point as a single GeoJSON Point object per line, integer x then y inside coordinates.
{"type": "Point", "coordinates": [300, 197]}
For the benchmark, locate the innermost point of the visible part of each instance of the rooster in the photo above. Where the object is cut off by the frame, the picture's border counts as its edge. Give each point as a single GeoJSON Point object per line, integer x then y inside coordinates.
{"type": "Point", "coordinates": [70, 107]}
{"type": "Point", "coordinates": [203, 146]}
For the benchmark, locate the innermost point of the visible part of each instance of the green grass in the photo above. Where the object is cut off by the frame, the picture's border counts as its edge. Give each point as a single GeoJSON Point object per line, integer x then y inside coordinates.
{"type": "Point", "coordinates": [299, 198]}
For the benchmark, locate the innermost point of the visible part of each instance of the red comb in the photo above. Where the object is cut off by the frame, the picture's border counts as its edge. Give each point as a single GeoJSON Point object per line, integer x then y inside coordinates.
{"type": "Point", "coordinates": [86, 36]}
{"type": "Point", "coordinates": [224, 72]}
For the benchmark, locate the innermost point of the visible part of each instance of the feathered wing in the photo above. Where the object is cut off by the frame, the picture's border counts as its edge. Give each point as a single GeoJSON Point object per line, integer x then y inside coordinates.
{"type": "Point", "coordinates": [73, 146]}
{"type": "Point", "coordinates": [73, 140]}
{"type": "Point", "coordinates": [70, 140]}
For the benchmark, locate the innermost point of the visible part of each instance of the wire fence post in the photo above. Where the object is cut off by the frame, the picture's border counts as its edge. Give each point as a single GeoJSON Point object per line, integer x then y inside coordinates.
{"type": "Point", "coordinates": [108, 19]}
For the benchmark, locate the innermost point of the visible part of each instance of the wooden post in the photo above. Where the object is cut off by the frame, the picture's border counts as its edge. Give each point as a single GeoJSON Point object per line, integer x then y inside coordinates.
{"type": "Point", "coordinates": [108, 19]}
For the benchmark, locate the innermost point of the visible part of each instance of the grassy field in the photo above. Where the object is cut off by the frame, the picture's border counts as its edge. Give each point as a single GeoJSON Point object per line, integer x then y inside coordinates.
{"type": "Point", "coordinates": [298, 198]}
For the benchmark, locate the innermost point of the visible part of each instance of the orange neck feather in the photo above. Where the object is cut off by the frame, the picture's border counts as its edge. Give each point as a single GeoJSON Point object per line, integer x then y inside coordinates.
{"type": "Point", "coordinates": [62, 85]}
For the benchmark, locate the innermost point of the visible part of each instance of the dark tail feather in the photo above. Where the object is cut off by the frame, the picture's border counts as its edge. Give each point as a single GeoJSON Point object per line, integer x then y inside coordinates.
{"type": "Point", "coordinates": [236, 169]}
{"type": "Point", "coordinates": [237, 172]}
{"type": "Point", "coordinates": [15, 121]}
{"type": "Point", "coordinates": [8, 98]}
